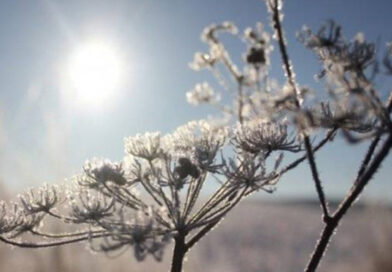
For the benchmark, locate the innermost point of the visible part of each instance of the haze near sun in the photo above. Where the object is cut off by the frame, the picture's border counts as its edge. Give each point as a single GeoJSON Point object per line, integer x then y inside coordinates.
{"type": "Point", "coordinates": [95, 72]}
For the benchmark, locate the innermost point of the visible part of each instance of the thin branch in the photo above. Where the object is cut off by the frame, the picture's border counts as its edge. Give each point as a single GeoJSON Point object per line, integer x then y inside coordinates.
{"type": "Point", "coordinates": [240, 102]}
{"type": "Point", "coordinates": [200, 234]}
{"type": "Point", "coordinates": [215, 198]}
{"type": "Point", "coordinates": [322, 244]}
{"type": "Point", "coordinates": [282, 48]}
{"type": "Point", "coordinates": [364, 175]}
{"type": "Point", "coordinates": [210, 226]}
{"type": "Point", "coordinates": [295, 163]}
{"type": "Point", "coordinates": [316, 178]}
{"type": "Point", "coordinates": [193, 195]}
{"type": "Point", "coordinates": [365, 178]}
{"type": "Point", "coordinates": [51, 244]}
{"type": "Point", "coordinates": [65, 219]}
{"type": "Point", "coordinates": [65, 235]}
{"type": "Point", "coordinates": [150, 192]}
{"type": "Point", "coordinates": [368, 156]}
{"type": "Point", "coordinates": [291, 79]}
{"type": "Point", "coordinates": [374, 143]}
{"type": "Point", "coordinates": [331, 225]}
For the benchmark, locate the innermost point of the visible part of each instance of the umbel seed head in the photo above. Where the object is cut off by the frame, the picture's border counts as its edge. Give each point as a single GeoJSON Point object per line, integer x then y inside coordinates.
{"type": "Point", "coordinates": [186, 168]}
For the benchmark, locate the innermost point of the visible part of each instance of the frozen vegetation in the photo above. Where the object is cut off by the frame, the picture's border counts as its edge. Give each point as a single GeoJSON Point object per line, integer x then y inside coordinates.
{"type": "Point", "coordinates": [156, 196]}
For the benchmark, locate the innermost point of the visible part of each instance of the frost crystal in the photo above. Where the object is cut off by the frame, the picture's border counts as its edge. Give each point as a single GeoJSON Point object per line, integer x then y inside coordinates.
{"type": "Point", "coordinates": [259, 136]}
{"type": "Point", "coordinates": [147, 145]}
{"type": "Point", "coordinates": [202, 93]}
{"type": "Point", "coordinates": [102, 171]}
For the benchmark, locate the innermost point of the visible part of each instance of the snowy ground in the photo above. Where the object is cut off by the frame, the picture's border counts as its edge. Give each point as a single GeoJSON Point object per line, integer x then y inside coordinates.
{"type": "Point", "coordinates": [256, 237]}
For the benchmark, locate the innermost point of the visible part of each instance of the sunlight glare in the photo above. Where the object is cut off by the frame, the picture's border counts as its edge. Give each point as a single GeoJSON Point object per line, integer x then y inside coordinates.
{"type": "Point", "coordinates": [94, 72]}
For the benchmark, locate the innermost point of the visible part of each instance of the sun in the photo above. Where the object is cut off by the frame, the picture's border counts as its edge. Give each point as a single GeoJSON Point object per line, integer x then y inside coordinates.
{"type": "Point", "coordinates": [94, 73]}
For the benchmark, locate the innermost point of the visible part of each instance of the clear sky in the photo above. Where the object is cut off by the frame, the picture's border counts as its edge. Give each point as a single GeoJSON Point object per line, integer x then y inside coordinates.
{"type": "Point", "coordinates": [44, 137]}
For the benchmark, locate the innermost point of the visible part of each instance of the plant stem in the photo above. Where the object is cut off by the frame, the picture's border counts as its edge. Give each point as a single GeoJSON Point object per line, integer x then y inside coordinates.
{"type": "Point", "coordinates": [345, 205]}
{"type": "Point", "coordinates": [240, 102]}
{"type": "Point", "coordinates": [277, 24]}
{"type": "Point", "coordinates": [178, 254]}
{"type": "Point", "coordinates": [322, 244]}
{"type": "Point", "coordinates": [316, 178]}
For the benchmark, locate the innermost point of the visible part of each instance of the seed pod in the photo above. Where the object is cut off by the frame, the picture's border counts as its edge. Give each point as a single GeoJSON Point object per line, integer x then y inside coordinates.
{"type": "Point", "coordinates": [256, 56]}
{"type": "Point", "coordinates": [186, 168]}
{"type": "Point", "coordinates": [119, 179]}
{"type": "Point", "coordinates": [195, 173]}
{"type": "Point", "coordinates": [180, 172]}
{"type": "Point", "coordinates": [185, 162]}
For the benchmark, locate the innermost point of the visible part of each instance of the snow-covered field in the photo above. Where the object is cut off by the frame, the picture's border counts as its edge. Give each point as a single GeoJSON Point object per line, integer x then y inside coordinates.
{"type": "Point", "coordinates": [256, 237]}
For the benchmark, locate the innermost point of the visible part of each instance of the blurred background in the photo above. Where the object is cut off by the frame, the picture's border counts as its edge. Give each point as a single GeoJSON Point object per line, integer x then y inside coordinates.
{"type": "Point", "coordinates": [256, 236]}
{"type": "Point", "coordinates": [55, 114]}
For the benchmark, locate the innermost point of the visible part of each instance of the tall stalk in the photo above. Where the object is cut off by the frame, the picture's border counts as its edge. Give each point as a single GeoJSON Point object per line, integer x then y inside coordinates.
{"type": "Point", "coordinates": [178, 253]}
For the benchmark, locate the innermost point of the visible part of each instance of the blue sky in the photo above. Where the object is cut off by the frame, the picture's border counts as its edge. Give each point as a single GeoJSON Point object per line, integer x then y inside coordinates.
{"type": "Point", "coordinates": [45, 139]}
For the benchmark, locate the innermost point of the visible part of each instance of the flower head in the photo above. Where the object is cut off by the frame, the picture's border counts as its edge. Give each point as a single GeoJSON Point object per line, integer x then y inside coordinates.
{"type": "Point", "coordinates": [259, 136]}
{"type": "Point", "coordinates": [202, 93]}
{"type": "Point", "coordinates": [102, 171]}
{"type": "Point", "coordinates": [42, 200]}
{"type": "Point", "coordinates": [198, 141]}
{"type": "Point", "coordinates": [147, 145]}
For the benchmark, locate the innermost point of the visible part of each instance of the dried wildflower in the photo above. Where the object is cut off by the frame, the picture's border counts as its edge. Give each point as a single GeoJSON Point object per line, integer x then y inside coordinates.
{"type": "Point", "coordinates": [217, 51]}
{"type": "Point", "coordinates": [147, 146]}
{"type": "Point", "coordinates": [90, 208]}
{"type": "Point", "coordinates": [209, 33]}
{"type": "Point", "coordinates": [202, 93]}
{"type": "Point", "coordinates": [250, 171]}
{"type": "Point", "coordinates": [335, 52]}
{"type": "Point", "coordinates": [355, 120]}
{"type": "Point", "coordinates": [141, 233]}
{"type": "Point", "coordinates": [322, 38]}
{"type": "Point", "coordinates": [186, 168]}
{"type": "Point", "coordinates": [259, 46]}
{"type": "Point", "coordinates": [11, 218]}
{"type": "Point", "coordinates": [41, 200]}
{"type": "Point", "coordinates": [259, 136]}
{"type": "Point", "coordinates": [199, 141]}
{"type": "Point", "coordinates": [99, 172]}
{"type": "Point", "coordinates": [145, 239]}
{"type": "Point", "coordinates": [201, 61]}
{"type": "Point", "coordinates": [29, 223]}
{"type": "Point", "coordinates": [256, 56]}
{"type": "Point", "coordinates": [153, 196]}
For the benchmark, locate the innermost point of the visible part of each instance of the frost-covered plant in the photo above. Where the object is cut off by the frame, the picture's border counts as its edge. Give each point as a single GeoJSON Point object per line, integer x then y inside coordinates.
{"type": "Point", "coordinates": [352, 105]}
{"type": "Point", "coordinates": [152, 197]}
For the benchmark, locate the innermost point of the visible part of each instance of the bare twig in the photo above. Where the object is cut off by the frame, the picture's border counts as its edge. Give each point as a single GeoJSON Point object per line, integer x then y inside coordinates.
{"type": "Point", "coordinates": [51, 244]}
{"type": "Point", "coordinates": [331, 225]}
{"type": "Point", "coordinates": [274, 6]}
{"type": "Point", "coordinates": [316, 178]}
